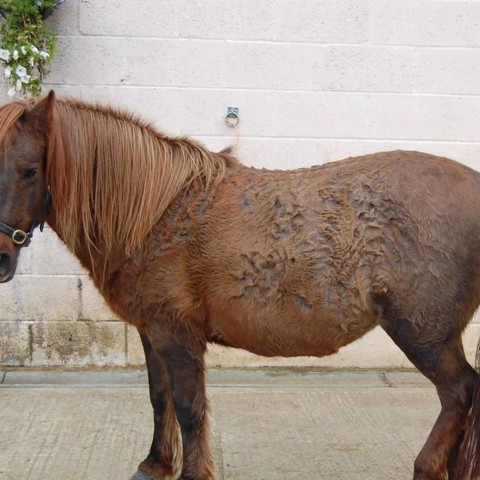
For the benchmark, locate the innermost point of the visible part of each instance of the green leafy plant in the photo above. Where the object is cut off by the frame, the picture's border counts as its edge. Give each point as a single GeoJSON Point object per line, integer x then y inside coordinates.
{"type": "Point", "coordinates": [27, 45]}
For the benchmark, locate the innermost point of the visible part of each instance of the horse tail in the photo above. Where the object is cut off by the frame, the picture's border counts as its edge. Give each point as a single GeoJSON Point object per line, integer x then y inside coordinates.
{"type": "Point", "coordinates": [468, 460]}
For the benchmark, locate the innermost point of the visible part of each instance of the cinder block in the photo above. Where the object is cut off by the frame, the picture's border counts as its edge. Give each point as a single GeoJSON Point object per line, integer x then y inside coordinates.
{"type": "Point", "coordinates": [49, 297]}
{"type": "Point", "coordinates": [93, 306]}
{"type": "Point", "coordinates": [447, 70]}
{"type": "Point", "coordinates": [25, 261]}
{"type": "Point", "coordinates": [78, 56]}
{"type": "Point", "coordinates": [78, 344]}
{"type": "Point", "coordinates": [173, 63]}
{"type": "Point", "coordinates": [14, 343]}
{"type": "Point", "coordinates": [64, 20]}
{"type": "Point", "coordinates": [10, 301]}
{"type": "Point", "coordinates": [272, 66]}
{"type": "Point", "coordinates": [368, 68]}
{"type": "Point", "coordinates": [325, 21]}
{"type": "Point", "coordinates": [443, 118]}
{"type": "Point", "coordinates": [50, 256]}
{"type": "Point", "coordinates": [135, 354]}
{"type": "Point", "coordinates": [150, 18]}
{"type": "Point", "coordinates": [431, 23]}
{"type": "Point", "coordinates": [334, 115]}
{"type": "Point", "coordinates": [245, 20]}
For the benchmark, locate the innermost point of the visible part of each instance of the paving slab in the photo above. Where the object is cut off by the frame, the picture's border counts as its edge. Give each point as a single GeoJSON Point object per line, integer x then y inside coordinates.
{"type": "Point", "coordinates": [266, 425]}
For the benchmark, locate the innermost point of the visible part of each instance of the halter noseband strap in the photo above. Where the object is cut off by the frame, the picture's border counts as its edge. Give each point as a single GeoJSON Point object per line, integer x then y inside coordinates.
{"type": "Point", "coordinates": [19, 237]}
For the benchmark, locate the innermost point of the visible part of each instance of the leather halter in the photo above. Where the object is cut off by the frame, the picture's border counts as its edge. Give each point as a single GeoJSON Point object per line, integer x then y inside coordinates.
{"type": "Point", "coordinates": [21, 238]}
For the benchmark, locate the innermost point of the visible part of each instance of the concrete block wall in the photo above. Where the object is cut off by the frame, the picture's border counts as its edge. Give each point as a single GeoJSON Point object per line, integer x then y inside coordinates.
{"type": "Point", "coordinates": [314, 81]}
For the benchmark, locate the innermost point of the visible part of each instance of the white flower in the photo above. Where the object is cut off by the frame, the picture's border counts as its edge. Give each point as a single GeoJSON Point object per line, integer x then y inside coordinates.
{"type": "Point", "coordinates": [23, 49]}
{"type": "Point", "coordinates": [44, 54]}
{"type": "Point", "coordinates": [31, 62]}
{"type": "Point", "coordinates": [33, 48]}
{"type": "Point", "coordinates": [39, 3]}
{"type": "Point", "coordinates": [21, 71]}
{"type": "Point", "coordinates": [11, 92]}
{"type": "Point", "coordinates": [4, 54]}
{"type": "Point", "coordinates": [8, 72]}
{"type": "Point", "coordinates": [15, 54]}
{"type": "Point", "coordinates": [18, 85]}
{"type": "Point", "coordinates": [26, 78]}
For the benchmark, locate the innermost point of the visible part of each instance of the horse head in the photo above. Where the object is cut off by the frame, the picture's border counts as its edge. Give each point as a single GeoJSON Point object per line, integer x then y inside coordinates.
{"type": "Point", "coordinates": [23, 152]}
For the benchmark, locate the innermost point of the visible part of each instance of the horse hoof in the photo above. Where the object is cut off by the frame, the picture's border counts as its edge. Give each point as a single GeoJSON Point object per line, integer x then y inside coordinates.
{"type": "Point", "coordinates": [141, 476]}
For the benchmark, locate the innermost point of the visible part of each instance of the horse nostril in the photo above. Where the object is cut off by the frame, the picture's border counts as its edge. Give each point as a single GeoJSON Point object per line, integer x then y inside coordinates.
{"type": "Point", "coordinates": [5, 264]}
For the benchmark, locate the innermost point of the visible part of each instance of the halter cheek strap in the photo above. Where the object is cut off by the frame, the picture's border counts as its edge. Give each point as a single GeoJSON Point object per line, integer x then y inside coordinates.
{"type": "Point", "coordinates": [19, 237]}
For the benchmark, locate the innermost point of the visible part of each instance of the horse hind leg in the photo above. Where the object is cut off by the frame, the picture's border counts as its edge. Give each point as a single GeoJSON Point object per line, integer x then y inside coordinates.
{"type": "Point", "coordinates": [454, 380]}
{"type": "Point", "coordinates": [436, 350]}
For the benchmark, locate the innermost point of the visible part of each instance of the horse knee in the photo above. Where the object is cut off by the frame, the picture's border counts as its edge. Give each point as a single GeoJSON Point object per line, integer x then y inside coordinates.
{"type": "Point", "coordinates": [158, 401]}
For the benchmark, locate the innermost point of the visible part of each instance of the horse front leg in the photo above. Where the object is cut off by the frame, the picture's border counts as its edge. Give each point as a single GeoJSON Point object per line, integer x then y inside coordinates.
{"type": "Point", "coordinates": [165, 460]}
{"type": "Point", "coordinates": [188, 384]}
{"type": "Point", "coordinates": [181, 442]}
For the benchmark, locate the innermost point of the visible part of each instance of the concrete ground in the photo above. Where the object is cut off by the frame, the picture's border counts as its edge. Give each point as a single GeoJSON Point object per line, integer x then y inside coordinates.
{"type": "Point", "coordinates": [266, 425]}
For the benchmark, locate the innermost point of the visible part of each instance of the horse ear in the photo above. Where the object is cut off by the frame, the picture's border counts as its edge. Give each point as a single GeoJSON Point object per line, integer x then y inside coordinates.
{"type": "Point", "coordinates": [40, 117]}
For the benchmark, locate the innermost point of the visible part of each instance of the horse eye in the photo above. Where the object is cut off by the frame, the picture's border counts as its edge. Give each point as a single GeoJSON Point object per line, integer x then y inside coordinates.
{"type": "Point", "coordinates": [30, 174]}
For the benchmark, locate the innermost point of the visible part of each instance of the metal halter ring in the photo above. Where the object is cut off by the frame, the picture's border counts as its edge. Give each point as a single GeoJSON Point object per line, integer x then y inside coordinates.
{"type": "Point", "coordinates": [19, 237]}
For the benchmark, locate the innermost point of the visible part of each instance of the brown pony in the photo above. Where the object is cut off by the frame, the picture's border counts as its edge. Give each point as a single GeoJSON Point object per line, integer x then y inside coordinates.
{"type": "Point", "coordinates": [192, 247]}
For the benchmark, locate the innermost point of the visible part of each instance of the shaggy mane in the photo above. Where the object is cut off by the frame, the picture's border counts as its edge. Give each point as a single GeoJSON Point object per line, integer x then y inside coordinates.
{"type": "Point", "coordinates": [112, 176]}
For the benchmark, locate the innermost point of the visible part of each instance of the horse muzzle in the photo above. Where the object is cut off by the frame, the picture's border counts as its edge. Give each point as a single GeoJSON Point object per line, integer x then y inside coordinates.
{"type": "Point", "coordinates": [7, 267]}
{"type": "Point", "coordinates": [10, 240]}
{"type": "Point", "coordinates": [9, 252]}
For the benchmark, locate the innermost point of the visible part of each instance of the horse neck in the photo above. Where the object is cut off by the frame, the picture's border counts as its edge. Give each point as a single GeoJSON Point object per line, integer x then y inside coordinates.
{"type": "Point", "coordinates": [117, 179]}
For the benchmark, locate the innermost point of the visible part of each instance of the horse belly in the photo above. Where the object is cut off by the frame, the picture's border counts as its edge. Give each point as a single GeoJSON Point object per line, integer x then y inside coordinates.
{"type": "Point", "coordinates": [290, 329]}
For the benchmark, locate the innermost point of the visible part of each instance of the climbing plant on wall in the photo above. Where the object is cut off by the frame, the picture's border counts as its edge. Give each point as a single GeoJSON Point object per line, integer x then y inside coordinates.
{"type": "Point", "coordinates": [27, 45]}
